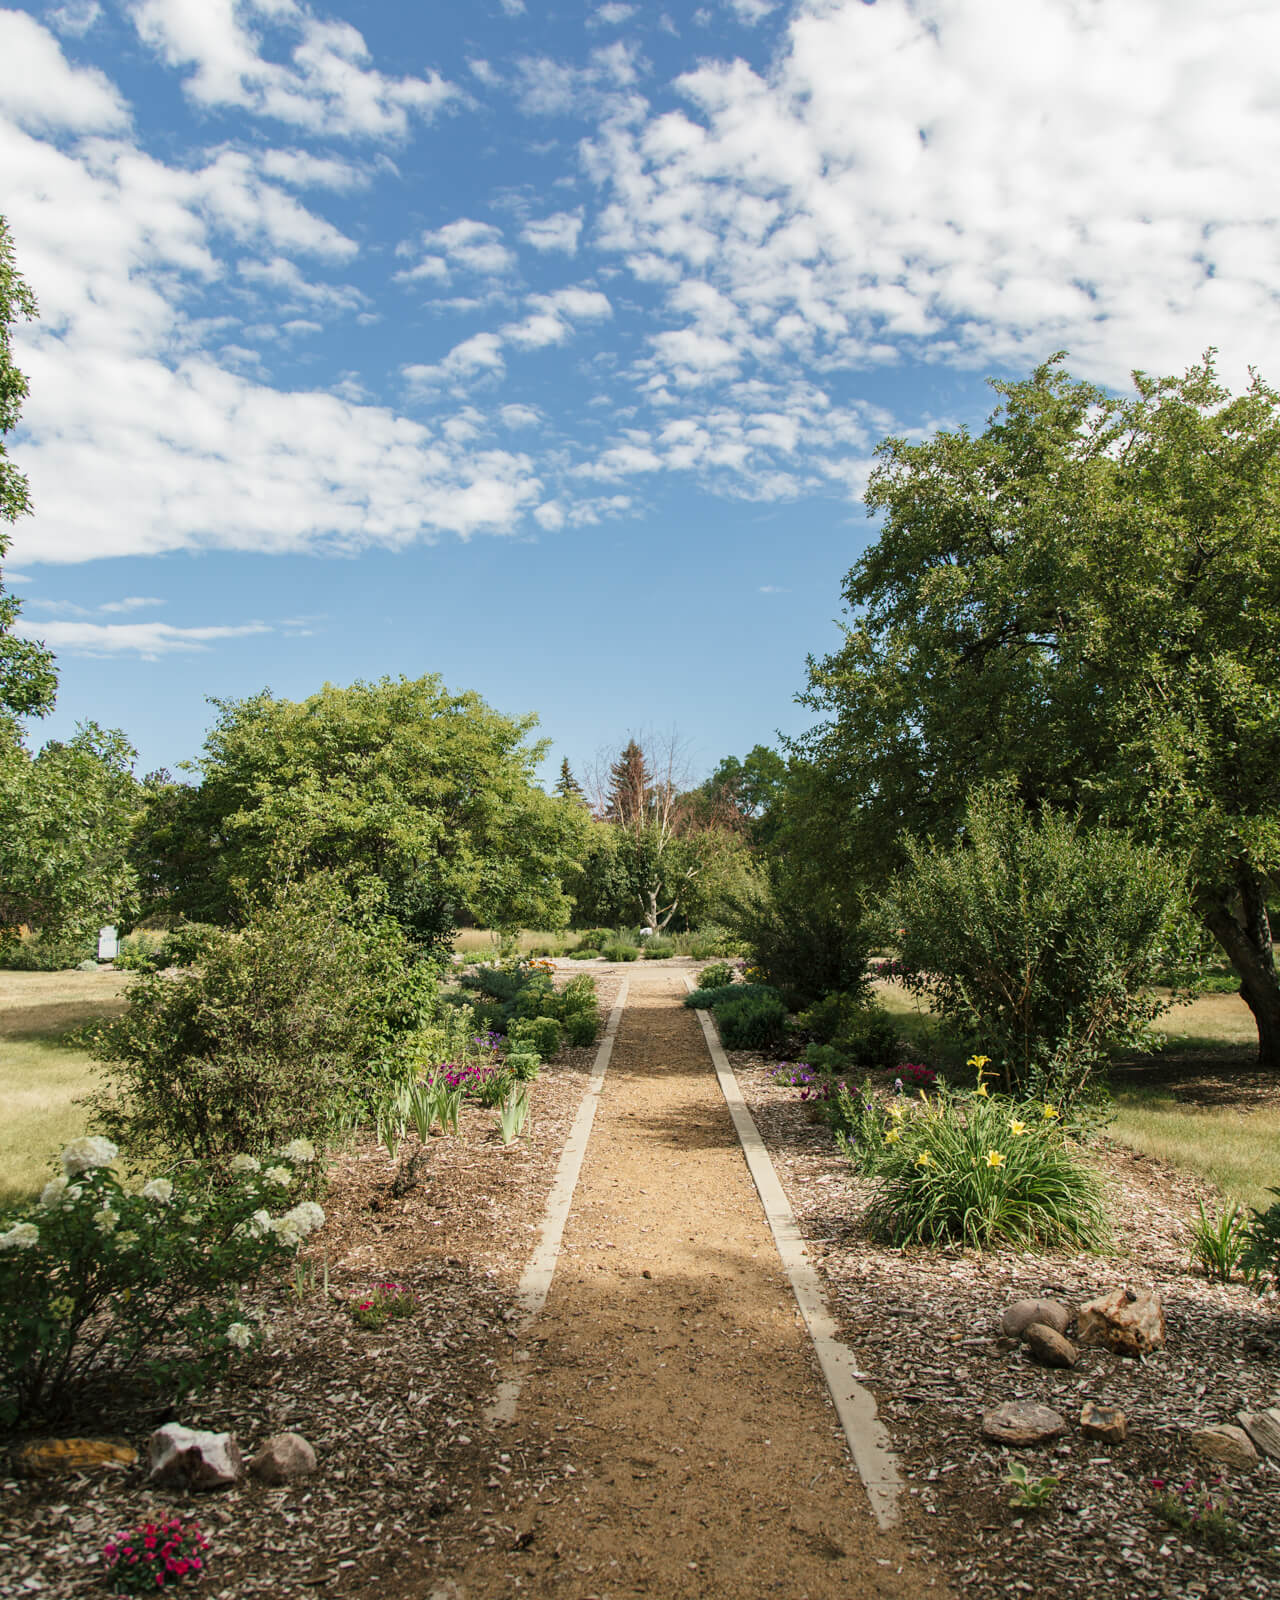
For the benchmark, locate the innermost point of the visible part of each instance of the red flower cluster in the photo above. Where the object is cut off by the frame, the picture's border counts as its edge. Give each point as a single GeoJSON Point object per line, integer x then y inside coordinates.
{"type": "Point", "coordinates": [154, 1554]}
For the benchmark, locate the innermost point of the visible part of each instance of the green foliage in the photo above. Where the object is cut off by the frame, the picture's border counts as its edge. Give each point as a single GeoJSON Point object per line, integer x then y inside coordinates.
{"type": "Point", "coordinates": [1029, 1494]}
{"type": "Point", "coordinates": [717, 976]}
{"type": "Point", "coordinates": [429, 793]}
{"type": "Point", "coordinates": [1201, 1511]}
{"type": "Point", "coordinates": [1083, 598]}
{"type": "Point", "coordinates": [99, 1281]}
{"type": "Point", "coordinates": [584, 954]}
{"type": "Point", "coordinates": [544, 1035]}
{"type": "Point", "coordinates": [709, 999]}
{"type": "Point", "coordinates": [803, 947]}
{"type": "Point", "coordinates": [513, 1113]}
{"type": "Point", "coordinates": [658, 949]}
{"type": "Point", "coordinates": [66, 817]}
{"type": "Point", "coordinates": [282, 1028]}
{"type": "Point", "coordinates": [857, 1032]}
{"type": "Point", "coordinates": [984, 1171]}
{"type": "Point", "coordinates": [1261, 1258]}
{"type": "Point", "coordinates": [621, 952]}
{"type": "Point", "coordinates": [750, 1020]}
{"type": "Point", "coordinates": [857, 1118]}
{"type": "Point", "coordinates": [522, 992]}
{"type": "Point", "coordinates": [1038, 935]}
{"type": "Point", "coordinates": [28, 681]}
{"type": "Point", "coordinates": [41, 952]}
{"type": "Point", "coordinates": [1218, 1244]}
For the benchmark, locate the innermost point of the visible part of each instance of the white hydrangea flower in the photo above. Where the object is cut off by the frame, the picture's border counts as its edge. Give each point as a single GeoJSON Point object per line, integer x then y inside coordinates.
{"type": "Point", "coordinates": [22, 1236]}
{"type": "Point", "coordinates": [260, 1223]}
{"type": "Point", "coordinates": [286, 1230]}
{"type": "Point", "coordinates": [105, 1220]}
{"type": "Point", "coordinates": [190, 1218]}
{"type": "Point", "coordinates": [125, 1240]}
{"type": "Point", "coordinates": [51, 1195]}
{"type": "Point", "coordinates": [240, 1335]}
{"type": "Point", "coordinates": [81, 1155]}
{"type": "Point", "coordinates": [299, 1150]}
{"type": "Point", "coordinates": [279, 1175]}
{"type": "Point", "coordinates": [158, 1189]}
{"type": "Point", "coordinates": [307, 1217]}
{"type": "Point", "coordinates": [240, 1165]}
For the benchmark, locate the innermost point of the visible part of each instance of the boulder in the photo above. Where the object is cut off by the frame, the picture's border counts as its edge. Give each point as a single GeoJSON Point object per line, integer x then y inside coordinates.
{"type": "Point", "coordinates": [183, 1458]}
{"type": "Point", "coordinates": [43, 1457]}
{"type": "Point", "coordinates": [1107, 1423]}
{"type": "Point", "coordinates": [1130, 1324]}
{"type": "Point", "coordinates": [1263, 1428]}
{"type": "Point", "coordinates": [1048, 1347]}
{"type": "Point", "coordinates": [1019, 1422]}
{"type": "Point", "coordinates": [1023, 1313]}
{"type": "Point", "coordinates": [1228, 1446]}
{"type": "Point", "coordinates": [282, 1458]}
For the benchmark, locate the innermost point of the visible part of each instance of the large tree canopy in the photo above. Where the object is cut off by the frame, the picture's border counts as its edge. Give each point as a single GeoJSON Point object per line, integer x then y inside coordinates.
{"type": "Point", "coordinates": [400, 781]}
{"type": "Point", "coordinates": [1086, 597]}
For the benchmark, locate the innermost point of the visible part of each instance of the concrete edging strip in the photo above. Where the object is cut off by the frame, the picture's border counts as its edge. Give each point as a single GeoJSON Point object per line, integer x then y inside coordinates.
{"type": "Point", "coordinates": [855, 1405]}
{"type": "Point", "coordinates": [535, 1282]}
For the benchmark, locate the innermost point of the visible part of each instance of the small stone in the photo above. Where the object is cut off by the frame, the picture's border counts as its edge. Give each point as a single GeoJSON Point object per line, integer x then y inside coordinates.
{"type": "Point", "coordinates": [1048, 1347]}
{"type": "Point", "coordinates": [184, 1458]}
{"type": "Point", "coordinates": [43, 1457]}
{"type": "Point", "coordinates": [1020, 1316]}
{"type": "Point", "coordinates": [1229, 1446]}
{"type": "Point", "coordinates": [1019, 1422]}
{"type": "Point", "coordinates": [282, 1458]}
{"type": "Point", "coordinates": [1107, 1423]}
{"type": "Point", "coordinates": [1263, 1428]}
{"type": "Point", "coordinates": [86, 966]}
{"type": "Point", "coordinates": [1130, 1324]}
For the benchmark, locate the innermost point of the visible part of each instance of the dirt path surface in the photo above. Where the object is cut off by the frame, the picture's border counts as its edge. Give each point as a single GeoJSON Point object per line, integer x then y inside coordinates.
{"type": "Point", "coordinates": [670, 1376]}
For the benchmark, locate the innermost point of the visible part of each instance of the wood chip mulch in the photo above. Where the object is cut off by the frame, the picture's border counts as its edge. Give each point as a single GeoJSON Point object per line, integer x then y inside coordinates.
{"type": "Point", "coordinates": [393, 1414]}
{"type": "Point", "coordinates": [925, 1329]}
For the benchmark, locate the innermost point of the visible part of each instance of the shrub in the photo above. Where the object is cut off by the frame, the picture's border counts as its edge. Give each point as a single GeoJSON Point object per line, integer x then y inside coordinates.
{"type": "Point", "coordinates": [620, 952]}
{"type": "Point", "coordinates": [1039, 936]}
{"type": "Point", "coordinates": [541, 1034]}
{"type": "Point", "coordinates": [522, 1065]}
{"type": "Point", "coordinates": [709, 999]}
{"type": "Point", "coordinates": [39, 952]}
{"type": "Point", "coordinates": [750, 1021]}
{"type": "Point", "coordinates": [658, 949]}
{"type": "Point", "coordinates": [717, 976]}
{"type": "Point", "coordinates": [98, 1281]}
{"type": "Point", "coordinates": [1261, 1258]}
{"type": "Point", "coordinates": [862, 1034]}
{"type": "Point", "coordinates": [284, 1027]}
{"type": "Point", "coordinates": [802, 950]}
{"type": "Point", "coordinates": [584, 955]}
{"type": "Point", "coordinates": [983, 1170]}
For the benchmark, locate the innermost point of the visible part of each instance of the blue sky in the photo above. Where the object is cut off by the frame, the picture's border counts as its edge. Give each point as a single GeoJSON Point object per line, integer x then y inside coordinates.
{"type": "Point", "coordinates": [547, 347]}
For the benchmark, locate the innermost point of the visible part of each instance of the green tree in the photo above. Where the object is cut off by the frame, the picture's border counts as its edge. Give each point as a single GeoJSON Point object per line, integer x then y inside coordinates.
{"type": "Point", "coordinates": [1086, 598]}
{"type": "Point", "coordinates": [749, 790]}
{"type": "Point", "coordinates": [567, 786]}
{"type": "Point", "coordinates": [428, 792]}
{"type": "Point", "coordinates": [28, 682]}
{"type": "Point", "coordinates": [66, 817]}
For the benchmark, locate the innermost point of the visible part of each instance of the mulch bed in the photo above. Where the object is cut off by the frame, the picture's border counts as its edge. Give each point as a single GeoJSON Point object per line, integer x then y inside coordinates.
{"type": "Point", "coordinates": [392, 1413]}
{"type": "Point", "coordinates": [925, 1325]}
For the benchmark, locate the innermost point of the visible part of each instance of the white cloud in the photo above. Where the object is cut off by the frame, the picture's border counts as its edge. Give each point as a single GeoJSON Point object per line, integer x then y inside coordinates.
{"type": "Point", "coordinates": [547, 87]}
{"type": "Point", "coordinates": [513, 8]}
{"type": "Point", "coordinates": [328, 85]}
{"type": "Point", "coordinates": [752, 11]}
{"type": "Point", "coordinates": [132, 602]}
{"type": "Point", "coordinates": [610, 15]}
{"type": "Point", "coordinates": [968, 181]}
{"type": "Point", "coordinates": [150, 640]}
{"type": "Point", "coordinates": [518, 416]}
{"type": "Point", "coordinates": [41, 90]}
{"type": "Point", "coordinates": [552, 316]}
{"type": "Point", "coordinates": [483, 72]}
{"type": "Point", "coordinates": [557, 232]}
{"type": "Point", "coordinates": [464, 246]}
{"type": "Point", "coordinates": [76, 17]}
{"type": "Point", "coordinates": [302, 170]}
{"type": "Point", "coordinates": [284, 279]}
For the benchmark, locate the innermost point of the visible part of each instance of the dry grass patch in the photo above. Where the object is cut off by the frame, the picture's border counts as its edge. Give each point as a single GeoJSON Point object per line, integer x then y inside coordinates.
{"type": "Point", "coordinates": [1237, 1149]}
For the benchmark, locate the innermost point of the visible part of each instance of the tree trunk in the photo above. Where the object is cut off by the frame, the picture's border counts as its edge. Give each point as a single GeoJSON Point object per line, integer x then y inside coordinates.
{"type": "Point", "coordinates": [1244, 932]}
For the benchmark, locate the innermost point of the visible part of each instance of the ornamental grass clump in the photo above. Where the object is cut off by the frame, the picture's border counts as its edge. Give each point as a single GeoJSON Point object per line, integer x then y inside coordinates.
{"type": "Point", "coordinates": [102, 1281]}
{"type": "Point", "coordinates": [983, 1170]}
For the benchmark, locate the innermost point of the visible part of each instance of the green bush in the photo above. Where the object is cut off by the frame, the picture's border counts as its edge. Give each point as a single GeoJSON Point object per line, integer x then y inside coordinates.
{"type": "Point", "coordinates": [584, 955]}
{"type": "Point", "coordinates": [658, 949]}
{"type": "Point", "coordinates": [99, 1282]}
{"type": "Point", "coordinates": [38, 952]}
{"type": "Point", "coordinates": [750, 1021]}
{"type": "Point", "coordinates": [709, 999]}
{"type": "Point", "coordinates": [1261, 1257]}
{"type": "Point", "coordinates": [1039, 937]}
{"type": "Point", "coordinates": [853, 1033]}
{"type": "Point", "coordinates": [523, 1065]}
{"type": "Point", "coordinates": [802, 950]}
{"type": "Point", "coordinates": [541, 1034]}
{"type": "Point", "coordinates": [286, 1027]}
{"type": "Point", "coordinates": [620, 952]}
{"type": "Point", "coordinates": [717, 975]}
{"type": "Point", "coordinates": [581, 1028]}
{"type": "Point", "coordinates": [983, 1170]}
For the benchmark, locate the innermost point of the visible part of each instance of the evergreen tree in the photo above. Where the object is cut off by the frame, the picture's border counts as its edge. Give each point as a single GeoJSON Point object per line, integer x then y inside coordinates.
{"type": "Point", "coordinates": [630, 787]}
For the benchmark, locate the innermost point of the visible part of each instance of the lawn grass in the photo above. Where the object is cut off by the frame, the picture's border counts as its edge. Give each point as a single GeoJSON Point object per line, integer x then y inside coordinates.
{"type": "Point", "coordinates": [43, 1071]}
{"type": "Point", "coordinates": [481, 942]}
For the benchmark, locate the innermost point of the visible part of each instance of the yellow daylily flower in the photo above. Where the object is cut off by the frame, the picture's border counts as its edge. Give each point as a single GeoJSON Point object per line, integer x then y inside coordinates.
{"type": "Point", "coordinates": [1050, 1112]}
{"type": "Point", "coordinates": [1017, 1129]}
{"type": "Point", "coordinates": [978, 1061]}
{"type": "Point", "coordinates": [897, 1110]}
{"type": "Point", "coordinates": [893, 1135]}
{"type": "Point", "coordinates": [994, 1158]}
{"type": "Point", "coordinates": [983, 1091]}
{"type": "Point", "coordinates": [924, 1159]}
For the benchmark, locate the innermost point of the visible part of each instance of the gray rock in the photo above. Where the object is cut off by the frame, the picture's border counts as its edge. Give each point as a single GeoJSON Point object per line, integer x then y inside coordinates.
{"type": "Point", "coordinates": [183, 1458]}
{"type": "Point", "coordinates": [1230, 1447]}
{"type": "Point", "coordinates": [1020, 1316]}
{"type": "Point", "coordinates": [86, 966]}
{"type": "Point", "coordinates": [1130, 1324]}
{"type": "Point", "coordinates": [1019, 1422]}
{"type": "Point", "coordinates": [1048, 1347]}
{"type": "Point", "coordinates": [282, 1458]}
{"type": "Point", "coordinates": [1263, 1428]}
{"type": "Point", "coordinates": [1107, 1423]}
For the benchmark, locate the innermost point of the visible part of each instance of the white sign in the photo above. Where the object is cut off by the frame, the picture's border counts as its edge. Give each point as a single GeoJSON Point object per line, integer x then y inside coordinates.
{"type": "Point", "coordinates": [108, 944]}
